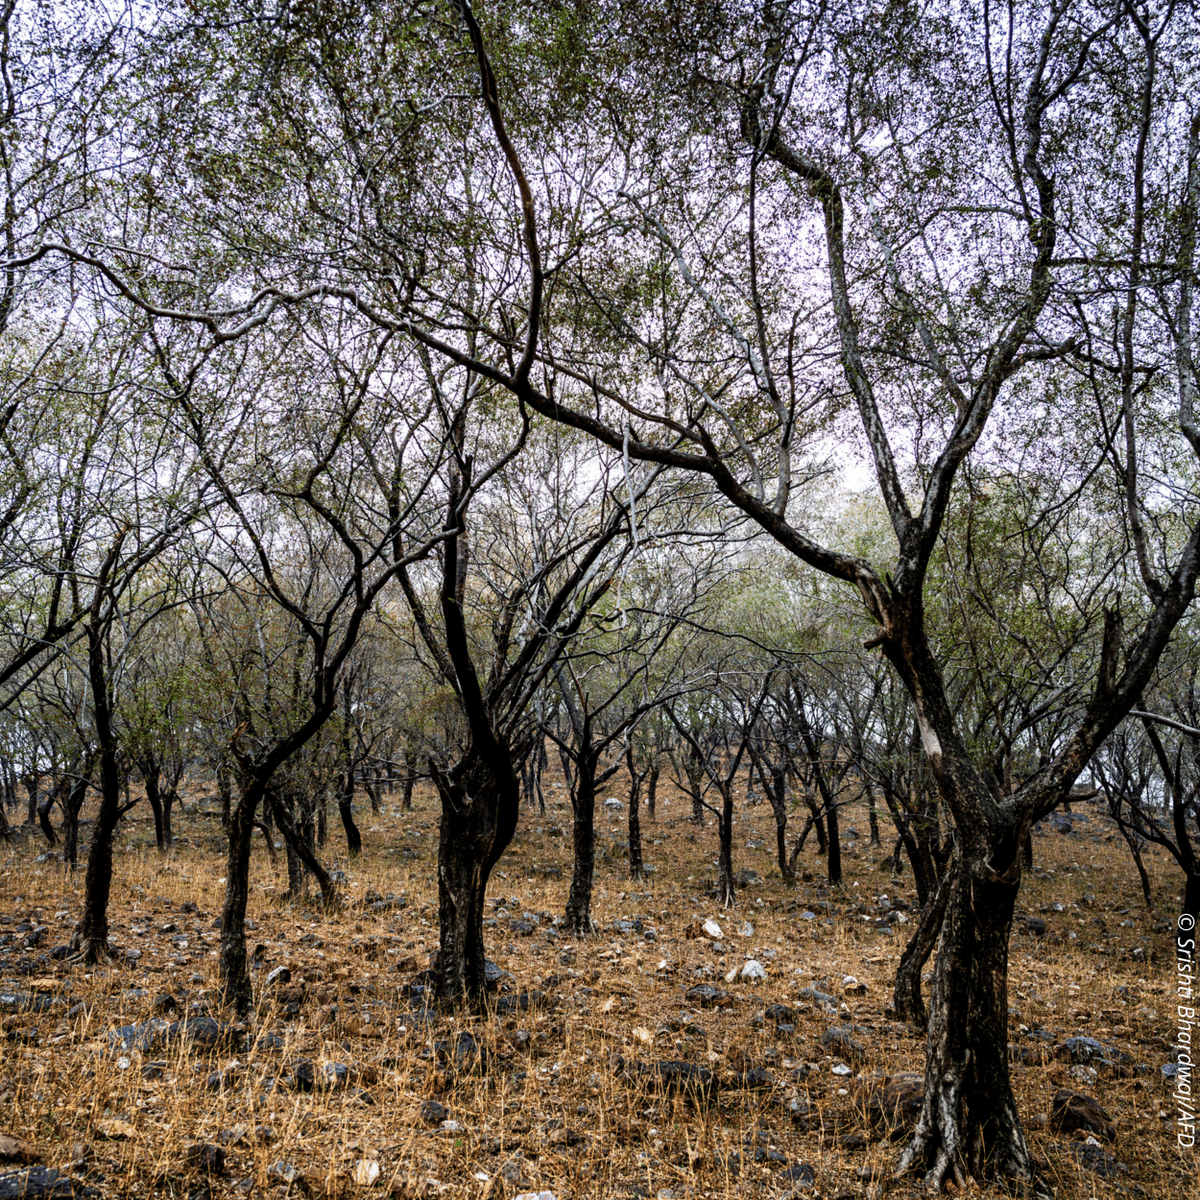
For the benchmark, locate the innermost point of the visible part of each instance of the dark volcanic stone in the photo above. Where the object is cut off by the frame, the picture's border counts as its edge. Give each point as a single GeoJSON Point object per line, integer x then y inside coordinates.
{"type": "Point", "coordinates": [146, 1036]}
{"type": "Point", "coordinates": [521, 1003]}
{"type": "Point", "coordinates": [1097, 1160]}
{"type": "Point", "coordinates": [24, 1002]}
{"type": "Point", "coordinates": [801, 1175]}
{"type": "Point", "coordinates": [433, 1112]}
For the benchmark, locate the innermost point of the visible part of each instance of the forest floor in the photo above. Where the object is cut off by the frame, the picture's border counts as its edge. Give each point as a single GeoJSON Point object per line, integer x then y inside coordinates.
{"type": "Point", "coordinates": [129, 1080]}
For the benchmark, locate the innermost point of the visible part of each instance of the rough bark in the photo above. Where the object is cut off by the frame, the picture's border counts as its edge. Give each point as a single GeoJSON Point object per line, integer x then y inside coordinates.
{"type": "Point", "coordinates": [726, 891]}
{"type": "Point", "coordinates": [969, 1123]}
{"type": "Point", "coordinates": [637, 868]}
{"type": "Point", "coordinates": [480, 800]}
{"type": "Point", "coordinates": [578, 913]}
{"type": "Point", "coordinates": [236, 990]}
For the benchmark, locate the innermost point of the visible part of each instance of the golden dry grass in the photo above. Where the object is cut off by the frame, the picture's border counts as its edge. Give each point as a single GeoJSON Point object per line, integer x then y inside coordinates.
{"type": "Point", "coordinates": [128, 1126]}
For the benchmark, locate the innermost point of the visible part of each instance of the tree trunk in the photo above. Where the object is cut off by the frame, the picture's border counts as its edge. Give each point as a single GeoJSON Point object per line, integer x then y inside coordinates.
{"type": "Point", "coordinates": [907, 992]}
{"type": "Point", "coordinates": [777, 795]}
{"type": "Point", "coordinates": [410, 778]}
{"type": "Point", "coordinates": [726, 892]}
{"type": "Point", "coordinates": [72, 807]}
{"type": "Point", "coordinates": [345, 810]}
{"type": "Point", "coordinates": [873, 815]}
{"type": "Point", "coordinates": [31, 782]}
{"type": "Point", "coordinates": [301, 848]}
{"type": "Point", "coordinates": [295, 871]}
{"type": "Point", "coordinates": [480, 801]}
{"type": "Point", "coordinates": [151, 775]}
{"type": "Point", "coordinates": [833, 862]}
{"type": "Point", "coordinates": [234, 970]}
{"type": "Point", "coordinates": [969, 1122]}
{"type": "Point", "coordinates": [43, 816]}
{"type": "Point", "coordinates": [93, 925]}
{"type": "Point", "coordinates": [652, 790]}
{"type": "Point", "coordinates": [168, 805]}
{"type": "Point", "coordinates": [578, 913]}
{"type": "Point", "coordinates": [637, 868]}
{"type": "Point", "coordinates": [816, 822]}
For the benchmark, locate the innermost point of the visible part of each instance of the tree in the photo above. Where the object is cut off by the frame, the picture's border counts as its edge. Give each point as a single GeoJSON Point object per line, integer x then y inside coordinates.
{"type": "Point", "coordinates": [900, 176]}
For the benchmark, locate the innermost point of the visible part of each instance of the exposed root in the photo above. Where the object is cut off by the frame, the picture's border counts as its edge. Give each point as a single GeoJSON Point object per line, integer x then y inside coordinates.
{"type": "Point", "coordinates": [94, 952]}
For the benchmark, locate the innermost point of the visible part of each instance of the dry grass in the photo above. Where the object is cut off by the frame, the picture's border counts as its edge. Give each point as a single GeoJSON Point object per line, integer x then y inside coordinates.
{"type": "Point", "coordinates": [550, 1100]}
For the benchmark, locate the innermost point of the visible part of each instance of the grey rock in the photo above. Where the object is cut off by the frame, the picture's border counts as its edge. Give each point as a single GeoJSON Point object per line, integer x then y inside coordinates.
{"type": "Point", "coordinates": [1097, 1160]}
{"type": "Point", "coordinates": [42, 1183]}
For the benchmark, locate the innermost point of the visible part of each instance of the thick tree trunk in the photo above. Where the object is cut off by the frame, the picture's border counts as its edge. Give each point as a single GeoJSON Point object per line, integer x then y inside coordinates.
{"type": "Point", "coordinates": [234, 968]}
{"type": "Point", "coordinates": [652, 790]}
{"type": "Point", "coordinates": [480, 801]}
{"type": "Point", "coordinates": [93, 925]}
{"type": "Point", "coordinates": [578, 913]}
{"type": "Point", "coordinates": [969, 1123]}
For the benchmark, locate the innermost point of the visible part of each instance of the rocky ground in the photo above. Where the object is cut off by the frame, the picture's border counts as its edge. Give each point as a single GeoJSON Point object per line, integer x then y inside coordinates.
{"type": "Point", "coordinates": [683, 1051]}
